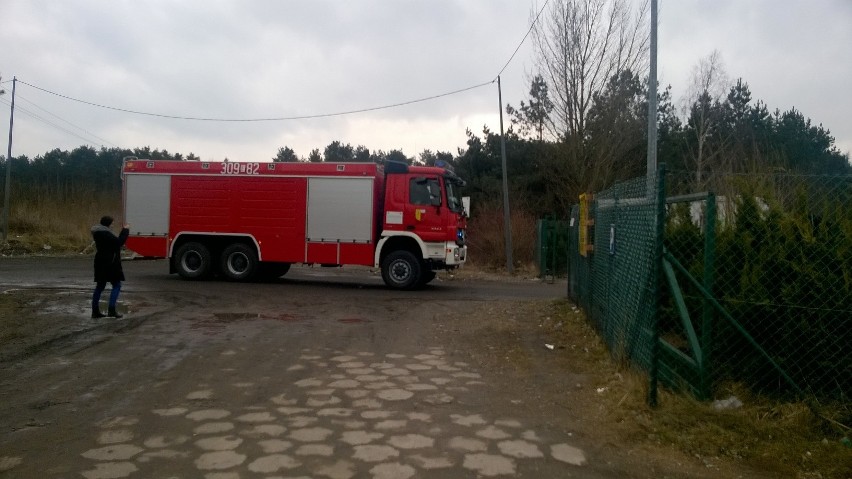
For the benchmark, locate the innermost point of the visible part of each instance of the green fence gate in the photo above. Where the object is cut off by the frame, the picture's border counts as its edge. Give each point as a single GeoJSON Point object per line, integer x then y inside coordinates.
{"type": "Point", "coordinates": [551, 252]}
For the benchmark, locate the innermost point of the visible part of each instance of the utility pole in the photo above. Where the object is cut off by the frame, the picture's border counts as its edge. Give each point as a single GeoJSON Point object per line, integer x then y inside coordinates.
{"type": "Point", "coordinates": [652, 99]}
{"type": "Point", "coordinates": [655, 187]}
{"type": "Point", "coordinates": [6, 206]}
{"type": "Point", "coordinates": [507, 221]}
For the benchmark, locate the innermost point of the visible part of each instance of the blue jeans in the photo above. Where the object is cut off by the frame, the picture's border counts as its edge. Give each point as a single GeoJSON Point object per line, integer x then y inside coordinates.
{"type": "Point", "coordinates": [113, 295]}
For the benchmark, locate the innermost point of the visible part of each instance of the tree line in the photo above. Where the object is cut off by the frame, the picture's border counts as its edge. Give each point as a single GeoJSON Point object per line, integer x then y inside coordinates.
{"type": "Point", "coordinates": [717, 137]}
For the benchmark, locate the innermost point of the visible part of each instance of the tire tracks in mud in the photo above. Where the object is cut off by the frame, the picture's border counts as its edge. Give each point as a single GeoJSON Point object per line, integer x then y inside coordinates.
{"type": "Point", "coordinates": [69, 340]}
{"type": "Point", "coordinates": [54, 335]}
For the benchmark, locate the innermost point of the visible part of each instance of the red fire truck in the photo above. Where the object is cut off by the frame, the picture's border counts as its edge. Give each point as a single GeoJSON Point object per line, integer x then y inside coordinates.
{"type": "Point", "coordinates": [246, 220]}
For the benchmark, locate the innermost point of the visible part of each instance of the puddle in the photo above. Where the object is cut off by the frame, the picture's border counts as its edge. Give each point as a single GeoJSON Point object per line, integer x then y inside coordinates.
{"type": "Point", "coordinates": [52, 303]}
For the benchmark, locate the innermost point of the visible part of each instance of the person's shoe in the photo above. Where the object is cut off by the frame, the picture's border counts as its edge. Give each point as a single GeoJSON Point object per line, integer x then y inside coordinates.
{"type": "Point", "coordinates": [97, 314]}
{"type": "Point", "coordinates": [114, 314]}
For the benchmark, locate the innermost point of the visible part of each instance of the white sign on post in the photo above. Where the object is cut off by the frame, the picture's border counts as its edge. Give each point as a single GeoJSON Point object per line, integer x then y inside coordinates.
{"type": "Point", "coordinates": [611, 239]}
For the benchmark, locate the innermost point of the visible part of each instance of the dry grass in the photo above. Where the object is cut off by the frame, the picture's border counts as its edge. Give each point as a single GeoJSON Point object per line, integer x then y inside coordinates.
{"type": "Point", "coordinates": [781, 439]}
{"type": "Point", "coordinates": [39, 223]}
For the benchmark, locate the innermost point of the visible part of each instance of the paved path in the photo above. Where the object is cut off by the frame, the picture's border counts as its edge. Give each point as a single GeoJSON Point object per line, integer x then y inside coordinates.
{"type": "Point", "coordinates": [317, 376]}
{"type": "Point", "coordinates": [341, 416]}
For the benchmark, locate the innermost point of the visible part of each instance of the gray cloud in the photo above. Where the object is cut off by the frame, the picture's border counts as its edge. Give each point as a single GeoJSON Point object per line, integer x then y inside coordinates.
{"type": "Point", "coordinates": [270, 59]}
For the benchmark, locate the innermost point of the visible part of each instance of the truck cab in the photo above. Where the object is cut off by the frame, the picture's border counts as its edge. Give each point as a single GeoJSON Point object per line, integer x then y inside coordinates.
{"type": "Point", "coordinates": [424, 223]}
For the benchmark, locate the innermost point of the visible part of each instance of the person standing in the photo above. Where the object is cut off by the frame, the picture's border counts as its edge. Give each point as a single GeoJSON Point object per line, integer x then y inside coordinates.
{"type": "Point", "coordinates": [107, 265]}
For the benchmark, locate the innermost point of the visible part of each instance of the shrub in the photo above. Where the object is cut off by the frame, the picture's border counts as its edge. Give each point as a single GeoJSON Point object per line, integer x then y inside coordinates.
{"type": "Point", "coordinates": [487, 241]}
{"type": "Point", "coordinates": [784, 272]}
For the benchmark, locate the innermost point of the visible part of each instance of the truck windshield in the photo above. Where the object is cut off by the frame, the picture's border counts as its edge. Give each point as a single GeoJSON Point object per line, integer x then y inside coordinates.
{"type": "Point", "coordinates": [453, 200]}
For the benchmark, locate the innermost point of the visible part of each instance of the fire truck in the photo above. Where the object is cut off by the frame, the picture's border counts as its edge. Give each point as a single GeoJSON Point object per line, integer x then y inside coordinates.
{"type": "Point", "coordinates": [245, 221]}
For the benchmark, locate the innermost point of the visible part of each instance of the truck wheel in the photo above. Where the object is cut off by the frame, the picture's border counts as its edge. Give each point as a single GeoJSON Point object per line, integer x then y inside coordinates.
{"type": "Point", "coordinates": [192, 261]}
{"type": "Point", "coordinates": [401, 270]}
{"type": "Point", "coordinates": [239, 262]}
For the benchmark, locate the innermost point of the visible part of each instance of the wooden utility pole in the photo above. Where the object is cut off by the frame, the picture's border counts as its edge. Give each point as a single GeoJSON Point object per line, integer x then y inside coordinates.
{"type": "Point", "coordinates": [6, 205]}
{"type": "Point", "coordinates": [507, 221]}
{"type": "Point", "coordinates": [652, 98]}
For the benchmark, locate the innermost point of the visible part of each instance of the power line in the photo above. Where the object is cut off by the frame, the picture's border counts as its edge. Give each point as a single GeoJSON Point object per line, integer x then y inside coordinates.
{"type": "Point", "coordinates": [303, 117]}
{"type": "Point", "coordinates": [19, 97]}
{"type": "Point", "coordinates": [23, 110]}
{"type": "Point", "coordinates": [522, 40]}
{"type": "Point", "coordinates": [48, 122]}
{"type": "Point", "coordinates": [286, 118]}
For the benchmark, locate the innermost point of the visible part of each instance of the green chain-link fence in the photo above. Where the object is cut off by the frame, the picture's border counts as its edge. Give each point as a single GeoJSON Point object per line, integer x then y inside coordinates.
{"type": "Point", "coordinates": [751, 284]}
{"type": "Point", "coordinates": [779, 265]}
{"type": "Point", "coordinates": [612, 274]}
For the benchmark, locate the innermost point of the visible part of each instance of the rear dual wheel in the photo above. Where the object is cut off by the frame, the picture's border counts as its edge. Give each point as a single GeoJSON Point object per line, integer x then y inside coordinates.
{"type": "Point", "coordinates": [239, 262]}
{"type": "Point", "coordinates": [192, 261]}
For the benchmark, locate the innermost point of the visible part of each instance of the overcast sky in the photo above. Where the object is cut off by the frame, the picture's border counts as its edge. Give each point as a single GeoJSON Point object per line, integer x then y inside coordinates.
{"type": "Point", "coordinates": [276, 59]}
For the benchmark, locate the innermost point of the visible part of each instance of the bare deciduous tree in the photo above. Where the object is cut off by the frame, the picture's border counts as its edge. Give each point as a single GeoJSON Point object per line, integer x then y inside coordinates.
{"type": "Point", "coordinates": [708, 75]}
{"type": "Point", "coordinates": [701, 107]}
{"type": "Point", "coordinates": [579, 46]}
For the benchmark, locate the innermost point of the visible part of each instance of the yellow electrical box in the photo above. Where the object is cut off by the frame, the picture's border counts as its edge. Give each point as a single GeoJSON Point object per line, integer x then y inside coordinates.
{"type": "Point", "coordinates": [586, 223]}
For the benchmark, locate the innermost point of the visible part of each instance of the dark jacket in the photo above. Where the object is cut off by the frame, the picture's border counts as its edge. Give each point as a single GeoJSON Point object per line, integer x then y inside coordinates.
{"type": "Point", "coordinates": [108, 257]}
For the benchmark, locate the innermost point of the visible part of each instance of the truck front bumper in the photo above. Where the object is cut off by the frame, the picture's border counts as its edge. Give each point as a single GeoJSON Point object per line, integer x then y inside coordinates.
{"type": "Point", "coordinates": [446, 255]}
{"type": "Point", "coordinates": [456, 255]}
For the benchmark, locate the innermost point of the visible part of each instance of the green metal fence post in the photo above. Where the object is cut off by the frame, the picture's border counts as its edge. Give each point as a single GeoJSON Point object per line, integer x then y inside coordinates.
{"type": "Point", "coordinates": [708, 310]}
{"type": "Point", "coordinates": [540, 246]}
{"type": "Point", "coordinates": [554, 236]}
{"type": "Point", "coordinates": [659, 229]}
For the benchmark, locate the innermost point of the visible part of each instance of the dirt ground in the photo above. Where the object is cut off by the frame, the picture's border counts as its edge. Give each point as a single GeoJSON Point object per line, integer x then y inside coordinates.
{"type": "Point", "coordinates": [324, 373]}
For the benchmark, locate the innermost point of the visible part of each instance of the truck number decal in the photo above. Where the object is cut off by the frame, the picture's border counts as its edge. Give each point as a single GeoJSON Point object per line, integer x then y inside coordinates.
{"type": "Point", "coordinates": [237, 168]}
